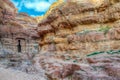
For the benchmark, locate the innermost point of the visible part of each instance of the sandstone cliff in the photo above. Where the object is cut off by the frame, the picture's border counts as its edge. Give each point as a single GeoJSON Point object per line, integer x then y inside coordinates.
{"type": "Point", "coordinates": [100, 67]}
{"type": "Point", "coordinates": [28, 23]}
{"type": "Point", "coordinates": [78, 28]}
{"type": "Point", "coordinates": [16, 26]}
{"type": "Point", "coordinates": [7, 11]}
{"type": "Point", "coordinates": [78, 40]}
{"type": "Point", "coordinates": [55, 4]}
{"type": "Point", "coordinates": [7, 16]}
{"type": "Point", "coordinates": [12, 23]}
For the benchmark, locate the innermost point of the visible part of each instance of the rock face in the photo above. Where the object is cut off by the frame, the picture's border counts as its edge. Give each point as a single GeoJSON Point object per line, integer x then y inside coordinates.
{"type": "Point", "coordinates": [79, 28]}
{"type": "Point", "coordinates": [16, 28]}
{"type": "Point", "coordinates": [17, 41]}
{"type": "Point", "coordinates": [98, 67]}
{"type": "Point", "coordinates": [7, 19]}
{"type": "Point", "coordinates": [57, 70]}
{"type": "Point", "coordinates": [55, 4]}
{"type": "Point", "coordinates": [7, 11]}
{"type": "Point", "coordinates": [103, 66]}
{"type": "Point", "coordinates": [66, 35]}
{"type": "Point", "coordinates": [7, 15]}
{"type": "Point", "coordinates": [28, 23]}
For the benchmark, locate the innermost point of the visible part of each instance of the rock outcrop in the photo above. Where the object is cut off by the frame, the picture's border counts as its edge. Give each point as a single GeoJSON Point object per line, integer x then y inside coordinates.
{"type": "Point", "coordinates": [12, 22]}
{"type": "Point", "coordinates": [15, 27]}
{"type": "Point", "coordinates": [55, 4]}
{"type": "Point", "coordinates": [7, 14]}
{"type": "Point", "coordinates": [29, 24]}
{"type": "Point", "coordinates": [100, 67]}
{"type": "Point", "coordinates": [7, 11]}
{"type": "Point", "coordinates": [78, 28]}
{"type": "Point", "coordinates": [56, 69]}
{"type": "Point", "coordinates": [67, 34]}
{"type": "Point", "coordinates": [104, 66]}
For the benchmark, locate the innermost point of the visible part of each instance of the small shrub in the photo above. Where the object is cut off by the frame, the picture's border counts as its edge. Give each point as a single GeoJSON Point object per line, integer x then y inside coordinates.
{"type": "Point", "coordinates": [36, 46]}
{"type": "Point", "coordinates": [68, 59]}
{"type": "Point", "coordinates": [108, 52]}
{"type": "Point", "coordinates": [75, 61]}
{"type": "Point", "coordinates": [104, 29]}
{"type": "Point", "coordinates": [83, 32]}
{"type": "Point", "coordinates": [113, 52]}
{"type": "Point", "coordinates": [119, 51]}
{"type": "Point", "coordinates": [95, 53]}
{"type": "Point", "coordinates": [86, 31]}
{"type": "Point", "coordinates": [70, 77]}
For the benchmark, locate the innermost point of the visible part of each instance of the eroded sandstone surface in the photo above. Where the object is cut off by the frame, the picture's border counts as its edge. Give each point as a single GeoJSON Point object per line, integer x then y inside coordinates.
{"type": "Point", "coordinates": [75, 40]}
{"type": "Point", "coordinates": [78, 28]}
{"type": "Point", "coordinates": [102, 66]}
{"type": "Point", "coordinates": [17, 44]}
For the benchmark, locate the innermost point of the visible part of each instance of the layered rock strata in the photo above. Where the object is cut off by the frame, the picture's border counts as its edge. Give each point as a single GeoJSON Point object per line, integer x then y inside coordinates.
{"type": "Point", "coordinates": [102, 65]}
{"type": "Point", "coordinates": [98, 67]}
{"type": "Point", "coordinates": [16, 27]}
{"type": "Point", "coordinates": [77, 28]}
{"type": "Point", "coordinates": [17, 44]}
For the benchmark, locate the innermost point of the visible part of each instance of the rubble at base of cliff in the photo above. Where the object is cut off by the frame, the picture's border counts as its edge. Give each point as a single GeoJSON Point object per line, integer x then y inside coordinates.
{"type": "Point", "coordinates": [102, 66]}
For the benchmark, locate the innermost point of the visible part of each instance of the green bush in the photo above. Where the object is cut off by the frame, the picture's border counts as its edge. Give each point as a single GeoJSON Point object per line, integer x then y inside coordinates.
{"type": "Point", "coordinates": [83, 32]}
{"type": "Point", "coordinates": [104, 29]}
{"type": "Point", "coordinates": [113, 52]}
{"type": "Point", "coordinates": [108, 52]}
{"type": "Point", "coordinates": [68, 58]}
{"type": "Point", "coordinates": [75, 61]}
{"type": "Point", "coordinates": [86, 31]}
{"type": "Point", "coordinates": [95, 53]}
{"type": "Point", "coordinates": [119, 51]}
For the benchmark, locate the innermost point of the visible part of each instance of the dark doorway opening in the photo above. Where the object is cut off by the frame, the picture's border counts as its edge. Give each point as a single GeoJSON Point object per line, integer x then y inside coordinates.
{"type": "Point", "coordinates": [19, 46]}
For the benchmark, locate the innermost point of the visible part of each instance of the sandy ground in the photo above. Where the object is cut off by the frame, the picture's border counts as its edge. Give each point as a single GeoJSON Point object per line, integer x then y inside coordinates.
{"type": "Point", "coordinates": [9, 74]}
